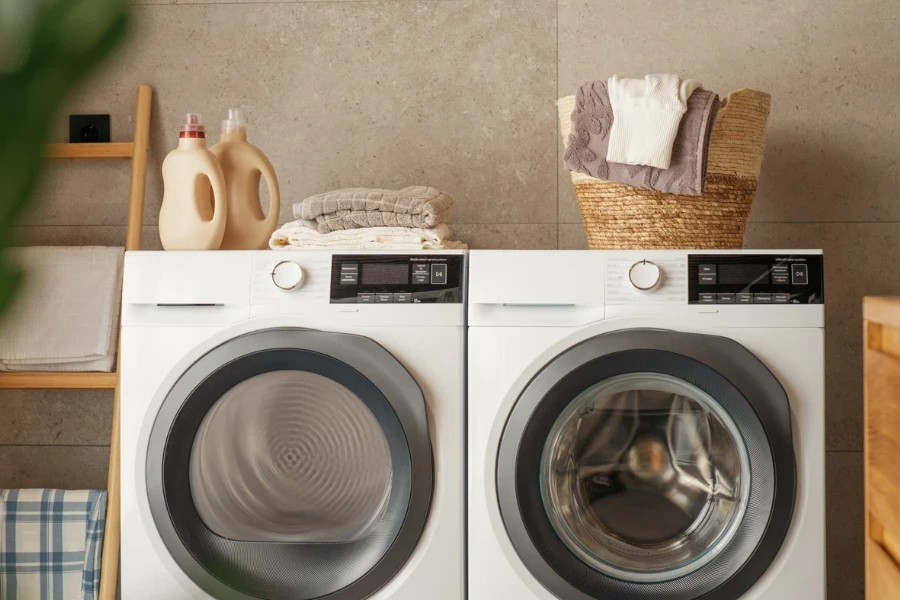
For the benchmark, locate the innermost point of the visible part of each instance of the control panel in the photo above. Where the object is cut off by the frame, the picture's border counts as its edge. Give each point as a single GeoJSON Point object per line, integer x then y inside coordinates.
{"type": "Point", "coordinates": [755, 279]}
{"type": "Point", "coordinates": [396, 279]}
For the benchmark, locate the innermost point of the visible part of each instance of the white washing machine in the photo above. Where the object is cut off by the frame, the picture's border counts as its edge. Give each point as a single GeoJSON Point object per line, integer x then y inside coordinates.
{"type": "Point", "coordinates": [292, 425]}
{"type": "Point", "coordinates": [646, 425]}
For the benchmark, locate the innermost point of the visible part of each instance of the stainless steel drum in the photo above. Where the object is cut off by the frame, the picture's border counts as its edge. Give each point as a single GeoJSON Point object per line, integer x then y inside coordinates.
{"type": "Point", "coordinates": [645, 477]}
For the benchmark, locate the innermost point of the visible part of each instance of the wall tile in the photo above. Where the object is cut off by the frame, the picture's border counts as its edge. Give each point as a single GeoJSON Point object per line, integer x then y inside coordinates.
{"type": "Point", "coordinates": [83, 192]}
{"type": "Point", "coordinates": [517, 237]}
{"type": "Point", "coordinates": [854, 267]}
{"type": "Point", "coordinates": [845, 512]}
{"type": "Point", "coordinates": [61, 417]}
{"type": "Point", "coordinates": [831, 148]}
{"type": "Point", "coordinates": [66, 467]}
{"type": "Point", "coordinates": [572, 237]}
{"type": "Point", "coordinates": [459, 95]}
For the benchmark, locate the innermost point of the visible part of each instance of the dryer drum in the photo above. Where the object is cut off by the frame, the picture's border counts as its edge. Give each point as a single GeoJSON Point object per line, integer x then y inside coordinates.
{"type": "Point", "coordinates": [290, 464]}
{"type": "Point", "coordinates": [649, 464]}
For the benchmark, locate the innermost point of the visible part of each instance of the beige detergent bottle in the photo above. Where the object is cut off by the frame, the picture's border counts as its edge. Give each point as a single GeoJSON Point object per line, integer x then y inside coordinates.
{"type": "Point", "coordinates": [243, 164]}
{"type": "Point", "coordinates": [194, 208]}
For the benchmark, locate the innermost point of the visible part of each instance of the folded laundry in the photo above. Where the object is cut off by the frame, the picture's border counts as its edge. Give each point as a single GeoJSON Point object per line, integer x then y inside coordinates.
{"type": "Point", "coordinates": [416, 206]}
{"type": "Point", "coordinates": [297, 235]}
{"type": "Point", "coordinates": [51, 543]}
{"type": "Point", "coordinates": [647, 113]}
{"type": "Point", "coordinates": [66, 318]}
{"type": "Point", "coordinates": [586, 120]}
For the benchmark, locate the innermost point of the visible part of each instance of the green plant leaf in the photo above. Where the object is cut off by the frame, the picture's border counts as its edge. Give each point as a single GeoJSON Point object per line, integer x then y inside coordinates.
{"type": "Point", "coordinates": [67, 41]}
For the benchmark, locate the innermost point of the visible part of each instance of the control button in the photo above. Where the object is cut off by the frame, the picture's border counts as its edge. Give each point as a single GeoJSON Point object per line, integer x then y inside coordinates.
{"type": "Point", "coordinates": [365, 298]}
{"type": "Point", "coordinates": [644, 275]}
{"type": "Point", "coordinates": [287, 275]}
{"type": "Point", "coordinates": [706, 279]}
{"type": "Point", "coordinates": [420, 278]}
{"type": "Point", "coordinates": [438, 274]}
{"type": "Point", "coordinates": [402, 298]}
{"type": "Point", "coordinates": [348, 278]}
{"type": "Point", "coordinates": [800, 274]}
{"type": "Point", "coordinates": [725, 298]}
{"type": "Point", "coordinates": [780, 278]}
{"type": "Point", "coordinates": [420, 268]}
{"type": "Point", "coordinates": [782, 298]}
{"type": "Point", "coordinates": [384, 298]}
{"type": "Point", "coordinates": [759, 298]}
{"type": "Point", "coordinates": [349, 267]}
{"type": "Point", "coordinates": [744, 298]}
{"type": "Point", "coordinates": [707, 298]}
{"type": "Point", "coordinates": [707, 269]}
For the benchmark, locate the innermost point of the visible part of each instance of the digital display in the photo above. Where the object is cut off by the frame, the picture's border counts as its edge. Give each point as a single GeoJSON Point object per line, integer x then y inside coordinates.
{"type": "Point", "coordinates": [385, 274]}
{"type": "Point", "coordinates": [743, 274]}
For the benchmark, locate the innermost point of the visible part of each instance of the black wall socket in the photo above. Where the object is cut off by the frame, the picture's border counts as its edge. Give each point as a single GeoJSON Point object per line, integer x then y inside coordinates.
{"type": "Point", "coordinates": [88, 129]}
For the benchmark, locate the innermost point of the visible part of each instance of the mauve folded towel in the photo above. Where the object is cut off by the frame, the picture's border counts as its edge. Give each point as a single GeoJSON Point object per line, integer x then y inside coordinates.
{"type": "Point", "coordinates": [417, 206]}
{"type": "Point", "coordinates": [588, 142]}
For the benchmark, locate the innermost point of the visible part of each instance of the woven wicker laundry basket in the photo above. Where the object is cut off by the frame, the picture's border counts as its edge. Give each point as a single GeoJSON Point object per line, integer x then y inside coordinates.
{"type": "Point", "coordinates": [622, 216]}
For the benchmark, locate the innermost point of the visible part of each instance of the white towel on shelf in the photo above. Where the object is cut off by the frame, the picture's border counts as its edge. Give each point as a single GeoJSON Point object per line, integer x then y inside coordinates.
{"type": "Point", "coordinates": [66, 317]}
{"type": "Point", "coordinates": [297, 235]}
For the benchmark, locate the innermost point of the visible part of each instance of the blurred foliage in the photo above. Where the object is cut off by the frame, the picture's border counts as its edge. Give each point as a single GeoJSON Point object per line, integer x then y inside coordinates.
{"type": "Point", "coordinates": [46, 50]}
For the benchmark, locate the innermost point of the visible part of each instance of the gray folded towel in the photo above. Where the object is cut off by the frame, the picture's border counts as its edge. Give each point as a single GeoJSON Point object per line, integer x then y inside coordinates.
{"type": "Point", "coordinates": [589, 139]}
{"type": "Point", "coordinates": [416, 206]}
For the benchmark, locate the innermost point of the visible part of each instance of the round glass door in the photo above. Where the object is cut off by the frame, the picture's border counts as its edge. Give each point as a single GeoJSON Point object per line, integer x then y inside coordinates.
{"type": "Point", "coordinates": [645, 477]}
{"type": "Point", "coordinates": [648, 464]}
{"type": "Point", "coordinates": [291, 464]}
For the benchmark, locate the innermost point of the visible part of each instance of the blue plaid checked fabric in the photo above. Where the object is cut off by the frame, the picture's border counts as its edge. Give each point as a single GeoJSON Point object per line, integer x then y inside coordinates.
{"type": "Point", "coordinates": [50, 544]}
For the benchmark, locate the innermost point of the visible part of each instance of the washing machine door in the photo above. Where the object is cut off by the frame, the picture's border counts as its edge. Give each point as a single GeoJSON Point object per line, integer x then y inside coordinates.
{"type": "Point", "coordinates": [291, 464]}
{"type": "Point", "coordinates": [649, 464]}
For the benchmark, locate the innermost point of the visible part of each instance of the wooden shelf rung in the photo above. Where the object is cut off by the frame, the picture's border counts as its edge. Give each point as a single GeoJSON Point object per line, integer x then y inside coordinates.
{"type": "Point", "coordinates": [106, 150]}
{"type": "Point", "coordinates": [58, 381]}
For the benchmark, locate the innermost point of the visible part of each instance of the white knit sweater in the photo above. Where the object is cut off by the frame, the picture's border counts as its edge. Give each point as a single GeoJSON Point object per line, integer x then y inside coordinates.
{"type": "Point", "coordinates": [646, 115]}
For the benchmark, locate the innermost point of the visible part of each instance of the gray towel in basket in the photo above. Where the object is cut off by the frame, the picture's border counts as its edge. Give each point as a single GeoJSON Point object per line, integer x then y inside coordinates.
{"type": "Point", "coordinates": [417, 206]}
{"type": "Point", "coordinates": [588, 141]}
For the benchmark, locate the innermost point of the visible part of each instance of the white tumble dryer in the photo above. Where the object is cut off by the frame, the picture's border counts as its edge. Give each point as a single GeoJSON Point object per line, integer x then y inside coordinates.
{"type": "Point", "coordinates": [646, 425]}
{"type": "Point", "coordinates": [292, 425]}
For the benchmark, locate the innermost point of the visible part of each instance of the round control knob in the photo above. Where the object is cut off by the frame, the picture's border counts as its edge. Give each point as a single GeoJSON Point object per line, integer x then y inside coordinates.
{"type": "Point", "coordinates": [644, 275]}
{"type": "Point", "coordinates": [287, 275]}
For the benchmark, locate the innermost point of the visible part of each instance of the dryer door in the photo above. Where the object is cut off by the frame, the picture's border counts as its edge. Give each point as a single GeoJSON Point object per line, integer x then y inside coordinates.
{"type": "Point", "coordinates": [291, 464]}
{"type": "Point", "coordinates": [649, 464]}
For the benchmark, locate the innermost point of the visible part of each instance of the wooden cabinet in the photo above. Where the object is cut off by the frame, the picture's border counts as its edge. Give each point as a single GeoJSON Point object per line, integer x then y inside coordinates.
{"type": "Point", "coordinates": [882, 446]}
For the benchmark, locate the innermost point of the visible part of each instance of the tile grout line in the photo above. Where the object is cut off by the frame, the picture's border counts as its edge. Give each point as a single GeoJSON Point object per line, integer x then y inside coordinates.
{"type": "Point", "coordinates": [5, 445]}
{"type": "Point", "coordinates": [556, 139]}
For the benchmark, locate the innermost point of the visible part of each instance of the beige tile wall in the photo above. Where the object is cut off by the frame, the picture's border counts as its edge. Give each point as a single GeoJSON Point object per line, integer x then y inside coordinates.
{"type": "Point", "coordinates": [460, 94]}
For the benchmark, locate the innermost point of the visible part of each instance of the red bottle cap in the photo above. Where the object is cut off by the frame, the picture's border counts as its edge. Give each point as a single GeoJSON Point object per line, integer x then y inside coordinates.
{"type": "Point", "coordinates": [192, 127]}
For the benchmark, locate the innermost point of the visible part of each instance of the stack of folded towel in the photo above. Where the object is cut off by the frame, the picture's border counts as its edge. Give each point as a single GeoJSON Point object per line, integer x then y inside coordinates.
{"type": "Point", "coordinates": [408, 219]}
{"type": "Point", "coordinates": [651, 133]}
{"type": "Point", "coordinates": [50, 543]}
{"type": "Point", "coordinates": [66, 317]}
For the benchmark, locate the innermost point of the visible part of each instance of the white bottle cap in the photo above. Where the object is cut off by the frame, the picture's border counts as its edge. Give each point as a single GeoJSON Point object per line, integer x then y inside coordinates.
{"type": "Point", "coordinates": [234, 121]}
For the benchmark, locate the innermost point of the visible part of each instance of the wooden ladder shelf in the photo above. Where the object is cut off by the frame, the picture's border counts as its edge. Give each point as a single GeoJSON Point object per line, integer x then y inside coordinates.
{"type": "Point", "coordinates": [137, 152]}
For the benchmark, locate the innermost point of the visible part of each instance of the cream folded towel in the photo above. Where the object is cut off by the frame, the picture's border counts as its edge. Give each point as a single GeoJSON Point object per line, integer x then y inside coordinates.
{"type": "Point", "coordinates": [297, 235]}
{"type": "Point", "coordinates": [66, 317]}
{"type": "Point", "coordinates": [646, 115]}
